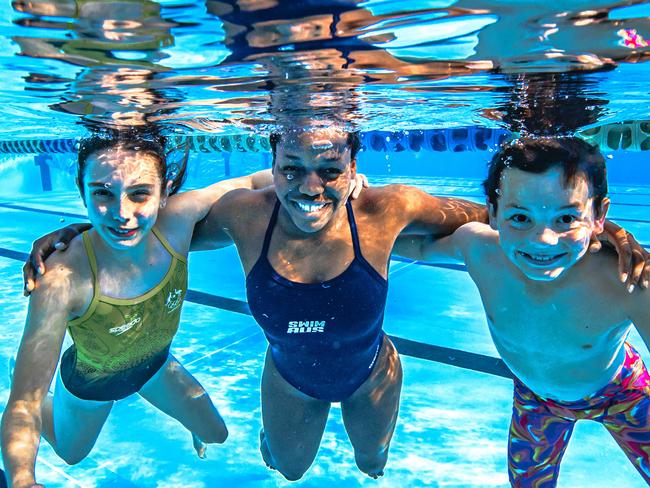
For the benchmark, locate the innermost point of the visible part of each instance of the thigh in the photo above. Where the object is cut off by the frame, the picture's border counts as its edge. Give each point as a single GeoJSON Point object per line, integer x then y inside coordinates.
{"type": "Point", "coordinates": [293, 422]}
{"type": "Point", "coordinates": [537, 441]}
{"type": "Point", "coordinates": [628, 421]}
{"type": "Point", "coordinates": [370, 414]}
{"type": "Point", "coordinates": [177, 393]}
{"type": "Point", "coordinates": [76, 422]}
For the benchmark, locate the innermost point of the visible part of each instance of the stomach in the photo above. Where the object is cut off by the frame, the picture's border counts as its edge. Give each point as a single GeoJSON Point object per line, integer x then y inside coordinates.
{"type": "Point", "coordinates": [561, 371]}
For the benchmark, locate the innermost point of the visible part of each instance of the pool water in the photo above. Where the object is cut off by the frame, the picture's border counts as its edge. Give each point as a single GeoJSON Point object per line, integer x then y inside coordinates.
{"type": "Point", "coordinates": [454, 415]}
{"type": "Point", "coordinates": [433, 85]}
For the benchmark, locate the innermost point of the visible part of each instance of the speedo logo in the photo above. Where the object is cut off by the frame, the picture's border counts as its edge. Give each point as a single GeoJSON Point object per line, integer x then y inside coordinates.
{"type": "Point", "coordinates": [124, 327]}
{"type": "Point", "coordinates": [309, 326]}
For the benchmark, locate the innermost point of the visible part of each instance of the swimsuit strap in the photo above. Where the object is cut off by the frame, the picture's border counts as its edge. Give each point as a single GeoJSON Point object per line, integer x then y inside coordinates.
{"type": "Point", "coordinates": [92, 259]}
{"type": "Point", "coordinates": [166, 245]}
{"type": "Point", "coordinates": [269, 228]}
{"type": "Point", "coordinates": [353, 231]}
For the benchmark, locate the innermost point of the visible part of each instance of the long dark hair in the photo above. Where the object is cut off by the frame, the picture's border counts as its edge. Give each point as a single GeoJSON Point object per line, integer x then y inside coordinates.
{"type": "Point", "coordinates": [143, 140]}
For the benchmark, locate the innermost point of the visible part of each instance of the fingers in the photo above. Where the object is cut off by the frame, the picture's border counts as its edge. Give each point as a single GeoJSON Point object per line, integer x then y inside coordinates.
{"type": "Point", "coordinates": [360, 182]}
{"type": "Point", "coordinates": [637, 264]}
{"type": "Point", "coordinates": [28, 278]}
{"type": "Point", "coordinates": [594, 244]}
{"type": "Point", "coordinates": [623, 248]}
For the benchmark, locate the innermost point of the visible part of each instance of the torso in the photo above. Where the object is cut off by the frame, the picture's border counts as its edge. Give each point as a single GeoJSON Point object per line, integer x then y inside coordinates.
{"type": "Point", "coordinates": [123, 336]}
{"type": "Point", "coordinates": [563, 339]}
{"type": "Point", "coordinates": [319, 302]}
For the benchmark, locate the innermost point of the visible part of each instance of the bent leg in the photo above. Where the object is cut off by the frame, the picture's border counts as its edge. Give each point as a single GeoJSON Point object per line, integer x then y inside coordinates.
{"type": "Point", "coordinates": [293, 424]}
{"type": "Point", "coordinates": [537, 441]}
{"type": "Point", "coordinates": [177, 393]}
{"type": "Point", "coordinates": [71, 425]}
{"type": "Point", "coordinates": [628, 421]}
{"type": "Point", "coordinates": [370, 414]}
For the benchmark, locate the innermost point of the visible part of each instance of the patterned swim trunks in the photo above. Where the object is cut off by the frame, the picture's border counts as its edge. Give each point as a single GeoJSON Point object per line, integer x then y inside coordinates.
{"type": "Point", "coordinates": [540, 429]}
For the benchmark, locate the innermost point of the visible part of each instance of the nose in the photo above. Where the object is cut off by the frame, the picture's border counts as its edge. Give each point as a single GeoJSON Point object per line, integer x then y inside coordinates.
{"type": "Point", "coordinates": [123, 212]}
{"type": "Point", "coordinates": [546, 236]}
{"type": "Point", "coordinates": [312, 184]}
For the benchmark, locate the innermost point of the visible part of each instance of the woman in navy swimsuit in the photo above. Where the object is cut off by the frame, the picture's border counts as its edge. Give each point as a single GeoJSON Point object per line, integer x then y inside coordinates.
{"type": "Point", "coordinates": [316, 268]}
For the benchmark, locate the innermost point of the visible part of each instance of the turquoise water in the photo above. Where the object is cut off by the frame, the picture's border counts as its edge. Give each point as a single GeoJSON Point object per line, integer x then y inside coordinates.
{"type": "Point", "coordinates": [433, 85]}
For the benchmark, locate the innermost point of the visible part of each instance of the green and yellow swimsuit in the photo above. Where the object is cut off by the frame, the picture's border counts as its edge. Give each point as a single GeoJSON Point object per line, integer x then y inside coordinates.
{"type": "Point", "coordinates": [120, 343]}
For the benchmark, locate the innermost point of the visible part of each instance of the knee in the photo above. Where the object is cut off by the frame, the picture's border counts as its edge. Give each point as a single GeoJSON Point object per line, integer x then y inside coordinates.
{"type": "Point", "coordinates": [292, 470]}
{"type": "Point", "coordinates": [215, 434]}
{"type": "Point", "coordinates": [72, 457]}
{"type": "Point", "coordinates": [372, 464]}
{"type": "Point", "coordinates": [292, 473]}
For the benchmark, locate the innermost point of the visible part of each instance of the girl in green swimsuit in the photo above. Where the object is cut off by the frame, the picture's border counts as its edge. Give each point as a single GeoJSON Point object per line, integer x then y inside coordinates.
{"type": "Point", "coordinates": [118, 290]}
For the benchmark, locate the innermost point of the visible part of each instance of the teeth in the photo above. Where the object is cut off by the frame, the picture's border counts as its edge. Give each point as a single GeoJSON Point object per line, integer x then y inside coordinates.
{"type": "Point", "coordinates": [541, 258]}
{"type": "Point", "coordinates": [121, 231]}
{"type": "Point", "coordinates": [310, 207]}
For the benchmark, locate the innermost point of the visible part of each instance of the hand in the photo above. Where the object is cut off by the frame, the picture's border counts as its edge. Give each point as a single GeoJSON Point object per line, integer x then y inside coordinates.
{"type": "Point", "coordinates": [41, 250]}
{"type": "Point", "coordinates": [633, 260]}
{"type": "Point", "coordinates": [360, 182]}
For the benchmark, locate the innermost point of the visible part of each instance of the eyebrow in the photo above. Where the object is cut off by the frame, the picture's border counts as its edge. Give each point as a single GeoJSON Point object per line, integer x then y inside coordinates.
{"type": "Point", "coordinates": [563, 207]}
{"type": "Point", "coordinates": [97, 184]}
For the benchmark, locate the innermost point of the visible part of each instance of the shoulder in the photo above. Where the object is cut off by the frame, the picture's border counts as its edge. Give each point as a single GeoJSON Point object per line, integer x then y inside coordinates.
{"type": "Point", "coordinates": [395, 197]}
{"type": "Point", "coordinates": [67, 280]}
{"type": "Point", "coordinates": [476, 239]}
{"type": "Point", "coordinates": [603, 266]}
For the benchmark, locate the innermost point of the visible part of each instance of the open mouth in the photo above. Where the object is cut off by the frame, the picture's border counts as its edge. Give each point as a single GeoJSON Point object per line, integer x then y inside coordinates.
{"type": "Point", "coordinates": [541, 260]}
{"type": "Point", "coordinates": [310, 208]}
{"type": "Point", "coordinates": [122, 233]}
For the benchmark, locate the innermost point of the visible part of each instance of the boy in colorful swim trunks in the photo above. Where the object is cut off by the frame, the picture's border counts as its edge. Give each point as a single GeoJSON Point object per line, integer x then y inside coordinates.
{"type": "Point", "coordinates": [557, 314]}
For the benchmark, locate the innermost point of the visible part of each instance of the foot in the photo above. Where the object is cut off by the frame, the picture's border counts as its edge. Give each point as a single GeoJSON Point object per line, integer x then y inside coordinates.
{"type": "Point", "coordinates": [264, 449]}
{"type": "Point", "coordinates": [199, 446]}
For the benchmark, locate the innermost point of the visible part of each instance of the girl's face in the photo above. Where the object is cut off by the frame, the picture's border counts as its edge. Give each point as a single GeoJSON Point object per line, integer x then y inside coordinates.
{"type": "Point", "coordinates": [123, 195]}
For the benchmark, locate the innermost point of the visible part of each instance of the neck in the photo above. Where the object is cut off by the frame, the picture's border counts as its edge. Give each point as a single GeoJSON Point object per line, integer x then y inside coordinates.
{"type": "Point", "coordinates": [135, 254]}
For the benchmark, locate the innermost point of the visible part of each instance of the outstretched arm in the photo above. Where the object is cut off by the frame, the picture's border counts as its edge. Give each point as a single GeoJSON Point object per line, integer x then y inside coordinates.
{"type": "Point", "coordinates": [436, 216]}
{"type": "Point", "coordinates": [448, 249]}
{"type": "Point", "coordinates": [36, 362]}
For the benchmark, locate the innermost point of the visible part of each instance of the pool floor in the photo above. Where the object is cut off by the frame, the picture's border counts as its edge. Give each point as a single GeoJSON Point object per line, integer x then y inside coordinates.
{"type": "Point", "coordinates": [453, 422]}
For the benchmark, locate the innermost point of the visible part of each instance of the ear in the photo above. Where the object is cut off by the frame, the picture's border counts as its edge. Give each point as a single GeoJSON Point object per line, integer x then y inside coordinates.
{"type": "Point", "coordinates": [165, 194]}
{"type": "Point", "coordinates": [492, 214]}
{"type": "Point", "coordinates": [601, 213]}
{"type": "Point", "coordinates": [353, 167]}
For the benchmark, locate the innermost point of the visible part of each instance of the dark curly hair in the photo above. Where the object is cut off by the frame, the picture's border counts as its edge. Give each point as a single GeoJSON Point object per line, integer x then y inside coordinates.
{"type": "Point", "coordinates": [537, 155]}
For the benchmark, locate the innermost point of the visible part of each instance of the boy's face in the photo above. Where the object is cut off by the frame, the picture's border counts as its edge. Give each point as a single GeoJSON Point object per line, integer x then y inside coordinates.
{"type": "Point", "coordinates": [545, 227]}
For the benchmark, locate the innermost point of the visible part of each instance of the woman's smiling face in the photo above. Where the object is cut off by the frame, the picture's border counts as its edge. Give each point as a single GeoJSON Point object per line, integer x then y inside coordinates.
{"type": "Point", "coordinates": [313, 173]}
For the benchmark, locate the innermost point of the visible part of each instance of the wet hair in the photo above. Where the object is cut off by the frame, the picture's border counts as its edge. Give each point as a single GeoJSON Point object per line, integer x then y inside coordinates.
{"type": "Point", "coordinates": [353, 140]}
{"type": "Point", "coordinates": [537, 155]}
{"type": "Point", "coordinates": [142, 141]}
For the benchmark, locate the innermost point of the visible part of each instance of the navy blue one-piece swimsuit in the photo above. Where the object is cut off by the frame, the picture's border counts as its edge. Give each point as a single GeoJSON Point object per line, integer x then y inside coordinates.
{"type": "Point", "coordinates": [325, 337]}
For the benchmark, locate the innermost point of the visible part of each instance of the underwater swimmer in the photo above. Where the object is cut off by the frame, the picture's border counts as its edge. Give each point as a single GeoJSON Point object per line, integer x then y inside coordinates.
{"type": "Point", "coordinates": [118, 290]}
{"type": "Point", "coordinates": [557, 313]}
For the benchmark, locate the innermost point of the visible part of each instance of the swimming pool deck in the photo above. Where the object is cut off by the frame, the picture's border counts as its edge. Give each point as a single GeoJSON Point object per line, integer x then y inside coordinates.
{"type": "Point", "coordinates": [453, 423]}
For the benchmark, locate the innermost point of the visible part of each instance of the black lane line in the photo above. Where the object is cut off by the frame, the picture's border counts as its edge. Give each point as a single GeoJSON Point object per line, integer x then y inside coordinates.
{"type": "Point", "coordinates": [420, 350]}
{"type": "Point", "coordinates": [41, 210]}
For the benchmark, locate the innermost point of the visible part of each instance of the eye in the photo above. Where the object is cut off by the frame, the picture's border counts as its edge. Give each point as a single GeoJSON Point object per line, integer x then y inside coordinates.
{"type": "Point", "coordinates": [101, 193]}
{"type": "Point", "coordinates": [518, 218]}
{"type": "Point", "coordinates": [140, 195]}
{"type": "Point", "coordinates": [567, 219]}
{"type": "Point", "coordinates": [330, 173]}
